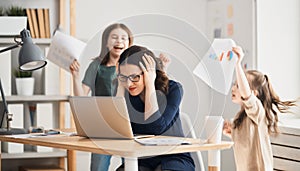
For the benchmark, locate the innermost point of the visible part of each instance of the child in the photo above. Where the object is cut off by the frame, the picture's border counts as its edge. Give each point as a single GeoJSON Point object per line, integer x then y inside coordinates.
{"type": "Point", "coordinates": [255, 121]}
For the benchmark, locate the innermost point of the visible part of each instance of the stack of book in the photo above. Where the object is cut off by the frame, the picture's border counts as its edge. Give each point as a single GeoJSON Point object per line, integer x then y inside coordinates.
{"type": "Point", "coordinates": [39, 22]}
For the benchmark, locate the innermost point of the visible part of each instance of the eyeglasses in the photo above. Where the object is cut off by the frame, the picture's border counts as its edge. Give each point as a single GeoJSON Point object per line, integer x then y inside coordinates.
{"type": "Point", "coordinates": [132, 78]}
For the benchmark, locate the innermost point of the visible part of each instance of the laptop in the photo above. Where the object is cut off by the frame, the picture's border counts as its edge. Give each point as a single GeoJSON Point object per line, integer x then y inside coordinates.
{"type": "Point", "coordinates": [101, 117]}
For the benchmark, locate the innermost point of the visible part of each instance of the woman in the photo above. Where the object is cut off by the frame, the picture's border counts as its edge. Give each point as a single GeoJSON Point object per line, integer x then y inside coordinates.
{"type": "Point", "coordinates": [153, 104]}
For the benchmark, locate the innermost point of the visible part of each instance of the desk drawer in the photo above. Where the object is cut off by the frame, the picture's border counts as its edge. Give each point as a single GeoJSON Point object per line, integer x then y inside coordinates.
{"type": "Point", "coordinates": [286, 152]}
{"type": "Point", "coordinates": [287, 140]}
{"type": "Point", "coordinates": [282, 164]}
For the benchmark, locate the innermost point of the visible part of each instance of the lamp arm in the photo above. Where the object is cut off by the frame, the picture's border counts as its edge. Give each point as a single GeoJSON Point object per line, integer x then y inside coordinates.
{"type": "Point", "coordinates": [11, 47]}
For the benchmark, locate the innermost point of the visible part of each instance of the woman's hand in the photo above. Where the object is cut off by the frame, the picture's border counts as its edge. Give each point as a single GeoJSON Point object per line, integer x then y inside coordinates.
{"type": "Point", "coordinates": [74, 68]}
{"type": "Point", "coordinates": [149, 70]}
{"type": "Point", "coordinates": [227, 128]}
{"type": "Point", "coordinates": [239, 52]}
{"type": "Point", "coordinates": [120, 89]}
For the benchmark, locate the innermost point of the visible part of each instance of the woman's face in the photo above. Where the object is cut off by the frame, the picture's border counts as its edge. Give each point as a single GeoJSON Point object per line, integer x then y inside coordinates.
{"type": "Point", "coordinates": [132, 78]}
{"type": "Point", "coordinates": [118, 41]}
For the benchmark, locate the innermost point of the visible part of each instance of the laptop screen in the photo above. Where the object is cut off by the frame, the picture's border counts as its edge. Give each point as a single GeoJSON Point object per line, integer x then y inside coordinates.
{"type": "Point", "coordinates": [101, 117]}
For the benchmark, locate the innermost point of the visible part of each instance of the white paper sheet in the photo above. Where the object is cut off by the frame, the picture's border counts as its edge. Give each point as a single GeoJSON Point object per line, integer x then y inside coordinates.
{"type": "Point", "coordinates": [163, 141]}
{"type": "Point", "coordinates": [215, 69]}
{"type": "Point", "coordinates": [64, 49]}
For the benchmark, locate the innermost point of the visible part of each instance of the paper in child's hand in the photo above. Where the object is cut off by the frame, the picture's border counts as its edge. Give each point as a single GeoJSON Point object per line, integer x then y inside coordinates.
{"type": "Point", "coordinates": [64, 49]}
{"type": "Point", "coordinates": [217, 66]}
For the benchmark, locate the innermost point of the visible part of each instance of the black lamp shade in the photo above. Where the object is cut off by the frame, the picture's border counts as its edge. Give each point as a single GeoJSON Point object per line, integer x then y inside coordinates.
{"type": "Point", "coordinates": [30, 56]}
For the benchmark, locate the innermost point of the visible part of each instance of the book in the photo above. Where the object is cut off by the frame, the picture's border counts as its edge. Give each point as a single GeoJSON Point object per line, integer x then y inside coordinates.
{"type": "Point", "coordinates": [47, 22]}
{"type": "Point", "coordinates": [64, 49]}
{"type": "Point", "coordinates": [31, 28]}
{"type": "Point", "coordinates": [35, 23]}
{"type": "Point", "coordinates": [41, 22]}
{"type": "Point", "coordinates": [45, 119]}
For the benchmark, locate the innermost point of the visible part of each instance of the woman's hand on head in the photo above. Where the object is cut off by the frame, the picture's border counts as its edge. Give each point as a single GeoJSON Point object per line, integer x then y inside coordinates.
{"type": "Point", "coordinates": [74, 68]}
{"type": "Point", "coordinates": [149, 69]}
{"type": "Point", "coordinates": [239, 52]}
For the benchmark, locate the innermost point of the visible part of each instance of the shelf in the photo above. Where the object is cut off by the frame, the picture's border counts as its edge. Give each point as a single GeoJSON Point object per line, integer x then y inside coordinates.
{"type": "Point", "coordinates": [10, 40]}
{"type": "Point", "coordinates": [56, 153]}
{"type": "Point", "coordinates": [36, 98]}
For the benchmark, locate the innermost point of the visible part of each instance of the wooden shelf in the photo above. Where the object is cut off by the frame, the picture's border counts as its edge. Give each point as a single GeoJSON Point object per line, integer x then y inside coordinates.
{"type": "Point", "coordinates": [56, 153]}
{"type": "Point", "coordinates": [36, 98]}
{"type": "Point", "coordinates": [10, 40]}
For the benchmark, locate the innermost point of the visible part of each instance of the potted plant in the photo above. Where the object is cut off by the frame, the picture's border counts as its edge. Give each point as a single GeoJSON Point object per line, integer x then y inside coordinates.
{"type": "Point", "coordinates": [12, 20]}
{"type": "Point", "coordinates": [1, 11]}
{"type": "Point", "coordinates": [24, 82]}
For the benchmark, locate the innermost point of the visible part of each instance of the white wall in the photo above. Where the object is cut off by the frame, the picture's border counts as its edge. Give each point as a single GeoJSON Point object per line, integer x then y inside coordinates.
{"type": "Point", "coordinates": [279, 45]}
{"type": "Point", "coordinates": [93, 16]}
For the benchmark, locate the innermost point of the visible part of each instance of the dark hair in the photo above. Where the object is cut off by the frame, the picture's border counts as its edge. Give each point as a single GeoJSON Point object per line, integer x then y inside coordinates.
{"type": "Point", "coordinates": [133, 55]}
{"type": "Point", "coordinates": [268, 97]}
{"type": "Point", "coordinates": [104, 54]}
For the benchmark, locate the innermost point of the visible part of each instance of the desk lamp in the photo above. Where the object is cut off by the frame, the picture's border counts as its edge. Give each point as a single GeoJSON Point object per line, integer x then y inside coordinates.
{"type": "Point", "coordinates": [30, 58]}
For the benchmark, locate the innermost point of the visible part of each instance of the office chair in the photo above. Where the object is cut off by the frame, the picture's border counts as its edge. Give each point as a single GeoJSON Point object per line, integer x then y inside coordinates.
{"type": "Point", "coordinates": [189, 132]}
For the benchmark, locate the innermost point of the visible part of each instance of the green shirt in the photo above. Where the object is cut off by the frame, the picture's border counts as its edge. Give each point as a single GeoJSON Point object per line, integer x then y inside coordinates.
{"type": "Point", "coordinates": [100, 79]}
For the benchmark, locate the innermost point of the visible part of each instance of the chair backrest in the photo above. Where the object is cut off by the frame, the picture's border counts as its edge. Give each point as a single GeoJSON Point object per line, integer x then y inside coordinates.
{"type": "Point", "coordinates": [189, 131]}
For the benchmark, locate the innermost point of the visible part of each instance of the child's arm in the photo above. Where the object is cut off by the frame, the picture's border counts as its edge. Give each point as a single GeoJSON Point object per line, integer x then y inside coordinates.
{"type": "Point", "coordinates": [242, 81]}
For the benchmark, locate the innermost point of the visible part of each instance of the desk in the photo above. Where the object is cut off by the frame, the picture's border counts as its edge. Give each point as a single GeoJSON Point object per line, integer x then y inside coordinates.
{"type": "Point", "coordinates": [129, 149]}
{"type": "Point", "coordinates": [286, 145]}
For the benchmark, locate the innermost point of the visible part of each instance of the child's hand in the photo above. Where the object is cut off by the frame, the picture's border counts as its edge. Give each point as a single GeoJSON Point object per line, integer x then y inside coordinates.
{"type": "Point", "coordinates": [165, 60]}
{"type": "Point", "coordinates": [227, 128]}
{"type": "Point", "coordinates": [74, 68]}
{"type": "Point", "coordinates": [239, 52]}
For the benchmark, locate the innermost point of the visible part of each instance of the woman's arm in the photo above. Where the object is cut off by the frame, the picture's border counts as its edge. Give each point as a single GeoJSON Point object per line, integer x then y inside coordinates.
{"type": "Point", "coordinates": [150, 100]}
{"type": "Point", "coordinates": [162, 119]}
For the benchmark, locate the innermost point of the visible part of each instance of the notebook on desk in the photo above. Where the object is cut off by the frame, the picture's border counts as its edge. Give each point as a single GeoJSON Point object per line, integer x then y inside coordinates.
{"type": "Point", "coordinates": [101, 117]}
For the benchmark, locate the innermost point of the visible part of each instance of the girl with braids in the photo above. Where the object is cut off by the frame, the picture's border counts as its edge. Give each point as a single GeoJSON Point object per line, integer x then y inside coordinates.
{"type": "Point", "coordinates": [153, 105]}
{"type": "Point", "coordinates": [255, 121]}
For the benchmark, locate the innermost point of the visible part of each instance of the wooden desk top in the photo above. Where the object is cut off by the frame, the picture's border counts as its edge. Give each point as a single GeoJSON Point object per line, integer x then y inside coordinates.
{"type": "Point", "coordinates": [123, 148]}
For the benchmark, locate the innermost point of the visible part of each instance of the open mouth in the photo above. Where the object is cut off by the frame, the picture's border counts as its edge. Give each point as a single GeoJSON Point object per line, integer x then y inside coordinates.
{"type": "Point", "coordinates": [131, 88]}
{"type": "Point", "coordinates": [118, 47]}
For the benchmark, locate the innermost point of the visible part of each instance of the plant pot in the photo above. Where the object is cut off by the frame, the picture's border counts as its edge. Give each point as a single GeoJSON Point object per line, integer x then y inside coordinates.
{"type": "Point", "coordinates": [25, 86]}
{"type": "Point", "coordinates": [11, 26]}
